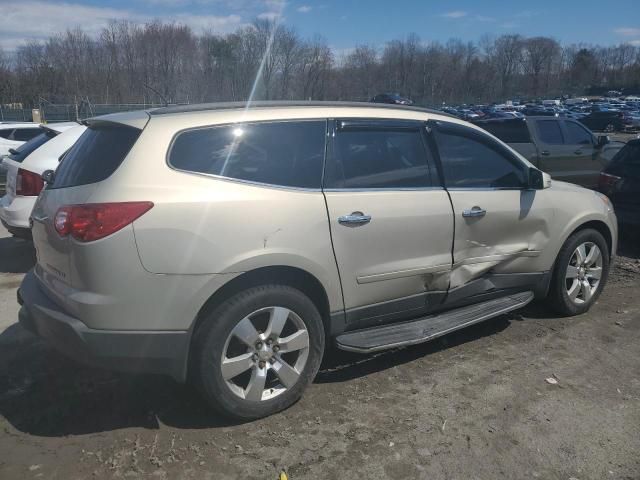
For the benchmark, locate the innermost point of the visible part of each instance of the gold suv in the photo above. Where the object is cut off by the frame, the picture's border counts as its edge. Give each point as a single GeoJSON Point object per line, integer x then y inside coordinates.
{"type": "Point", "coordinates": [229, 244]}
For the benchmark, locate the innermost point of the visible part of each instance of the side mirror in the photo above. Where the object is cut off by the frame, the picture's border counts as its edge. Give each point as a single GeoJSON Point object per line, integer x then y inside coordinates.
{"type": "Point", "coordinates": [603, 140]}
{"type": "Point", "coordinates": [48, 176]}
{"type": "Point", "coordinates": [538, 179]}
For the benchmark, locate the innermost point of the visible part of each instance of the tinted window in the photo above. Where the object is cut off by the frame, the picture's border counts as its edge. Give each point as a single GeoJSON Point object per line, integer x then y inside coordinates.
{"type": "Point", "coordinates": [280, 153]}
{"type": "Point", "coordinates": [511, 131]}
{"type": "Point", "coordinates": [578, 135]}
{"type": "Point", "coordinates": [549, 132]}
{"type": "Point", "coordinates": [97, 154]}
{"type": "Point", "coordinates": [6, 132]}
{"type": "Point", "coordinates": [628, 155]}
{"type": "Point", "coordinates": [24, 134]}
{"type": "Point", "coordinates": [378, 158]}
{"type": "Point", "coordinates": [24, 150]}
{"type": "Point", "coordinates": [469, 161]}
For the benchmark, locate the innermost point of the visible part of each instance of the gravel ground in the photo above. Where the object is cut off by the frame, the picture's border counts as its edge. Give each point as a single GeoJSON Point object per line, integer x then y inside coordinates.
{"type": "Point", "coordinates": [474, 405]}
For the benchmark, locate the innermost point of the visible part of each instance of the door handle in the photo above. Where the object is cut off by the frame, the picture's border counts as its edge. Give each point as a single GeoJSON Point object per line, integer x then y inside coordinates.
{"type": "Point", "coordinates": [474, 212]}
{"type": "Point", "coordinates": [578, 152]}
{"type": "Point", "coordinates": [354, 219]}
{"type": "Point", "coordinates": [545, 153]}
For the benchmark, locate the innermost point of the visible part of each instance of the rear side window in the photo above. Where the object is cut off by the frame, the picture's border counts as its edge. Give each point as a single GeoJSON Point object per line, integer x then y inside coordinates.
{"type": "Point", "coordinates": [24, 150]}
{"type": "Point", "coordinates": [288, 154]}
{"type": "Point", "coordinates": [578, 135]}
{"type": "Point", "coordinates": [549, 132]}
{"type": "Point", "coordinates": [6, 132]}
{"type": "Point", "coordinates": [95, 156]}
{"type": "Point", "coordinates": [510, 131]}
{"type": "Point", "coordinates": [24, 134]}
{"type": "Point", "coordinates": [379, 158]}
{"type": "Point", "coordinates": [469, 161]}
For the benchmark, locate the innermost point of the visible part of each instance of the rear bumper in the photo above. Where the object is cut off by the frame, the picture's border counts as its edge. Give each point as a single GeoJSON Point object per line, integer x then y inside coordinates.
{"type": "Point", "coordinates": [15, 211]}
{"type": "Point", "coordinates": [159, 352]}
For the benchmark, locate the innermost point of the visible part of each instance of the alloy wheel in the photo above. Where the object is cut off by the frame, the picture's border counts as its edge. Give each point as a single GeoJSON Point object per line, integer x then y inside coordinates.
{"type": "Point", "coordinates": [265, 354]}
{"type": "Point", "coordinates": [583, 274]}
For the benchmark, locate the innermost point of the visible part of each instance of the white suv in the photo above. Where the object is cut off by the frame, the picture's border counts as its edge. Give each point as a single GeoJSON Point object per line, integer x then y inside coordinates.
{"type": "Point", "coordinates": [24, 168]}
{"type": "Point", "coordinates": [229, 244]}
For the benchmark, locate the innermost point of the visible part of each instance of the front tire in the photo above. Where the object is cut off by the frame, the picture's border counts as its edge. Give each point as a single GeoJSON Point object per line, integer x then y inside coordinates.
{"type": "Point", "coordinates": [580, 273]}
{"type": "Point", "coordinates": [257, 352]}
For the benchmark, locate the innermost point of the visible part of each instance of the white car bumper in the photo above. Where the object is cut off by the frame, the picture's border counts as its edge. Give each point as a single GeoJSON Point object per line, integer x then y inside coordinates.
{"type": "Point", "coordinates": [15, 211]}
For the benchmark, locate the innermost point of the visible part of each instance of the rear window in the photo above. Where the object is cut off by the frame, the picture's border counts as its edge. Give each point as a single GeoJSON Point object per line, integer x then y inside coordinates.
{"type": "Point", "coordinates": [288, 154]}
{"type": "Point", "coordinates": [508, 131]}
{"type": "Point", "coordinates": [24, 150]}
{"type": "Point", "coordinates": [25, 134]}
{"type": "Point", "coordinates": [6, 132]}
{"type": "Point", "coordinates": [95, 156]}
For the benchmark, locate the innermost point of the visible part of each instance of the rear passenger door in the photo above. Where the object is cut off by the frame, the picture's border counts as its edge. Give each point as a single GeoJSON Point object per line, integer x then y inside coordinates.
{"type": "Point", "coordinates": [391, 220]}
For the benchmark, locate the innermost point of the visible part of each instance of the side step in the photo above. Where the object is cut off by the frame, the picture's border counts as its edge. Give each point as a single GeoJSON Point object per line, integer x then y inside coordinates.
{"type": "Point", "coordinates": [427, 328]}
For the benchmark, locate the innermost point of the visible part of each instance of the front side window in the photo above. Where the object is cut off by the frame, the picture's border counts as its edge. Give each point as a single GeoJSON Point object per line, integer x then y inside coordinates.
{"type": "Point", "coordinates": [549, 132]}
{"type": "Point", "coordinates": [578, 135]}
{"type": "Point", "coordinates": [289, 154]}
{"type": "Point", "coordinates": [379, 158]}
{"type": "Point", "coordinates": [469, 161]}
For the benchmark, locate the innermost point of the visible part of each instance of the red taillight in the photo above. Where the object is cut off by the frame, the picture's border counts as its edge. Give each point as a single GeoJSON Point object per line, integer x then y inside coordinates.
{"type": "Point", "coordinates": [94, 221]}
{"type": "Point", "coordinates": [606, 182]}
{"type": "Point", "coordinates": [28, 184]}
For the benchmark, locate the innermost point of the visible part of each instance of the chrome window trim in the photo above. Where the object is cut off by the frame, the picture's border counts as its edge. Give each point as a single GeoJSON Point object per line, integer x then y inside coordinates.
{"type": "Point", "coordinates": [381, 189]}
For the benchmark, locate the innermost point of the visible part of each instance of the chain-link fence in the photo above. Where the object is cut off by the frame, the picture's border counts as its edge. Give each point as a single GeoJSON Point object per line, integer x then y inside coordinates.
{"type": "Point", "coordinates": [69, 112]}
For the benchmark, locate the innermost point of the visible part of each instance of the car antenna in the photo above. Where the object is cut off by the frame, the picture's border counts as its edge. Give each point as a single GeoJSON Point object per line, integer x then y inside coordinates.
{"type": "Point", "coordinates": [164, 100]}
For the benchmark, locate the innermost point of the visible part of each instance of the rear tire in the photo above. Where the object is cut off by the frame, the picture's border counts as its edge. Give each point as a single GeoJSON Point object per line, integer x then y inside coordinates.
{"type": "Point", "coordinates": [256, 353]}
{"type": "Point", "coordinates": [580, 273]}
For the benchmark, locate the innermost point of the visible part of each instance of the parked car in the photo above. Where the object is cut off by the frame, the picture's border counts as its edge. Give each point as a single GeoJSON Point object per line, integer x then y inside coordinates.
{"type": "Point", "coordinates": [231, 245]}
{"type": "Point", "coordinates": [24, 168]}
{"type": "Point", "coordinates": [607, 120]}
{"type": "Point", "coordinates": [393, 98]}
{"type": "Point", "coordinates": [560, 146]}
{"type": "Point", "coordinates": [12, 135]}
{"type": "Point", "coordinates": [620, 181]}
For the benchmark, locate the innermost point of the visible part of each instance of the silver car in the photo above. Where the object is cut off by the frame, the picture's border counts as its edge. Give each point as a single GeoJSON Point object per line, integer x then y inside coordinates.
{"type": "Point", "coordinates": [231, 244]}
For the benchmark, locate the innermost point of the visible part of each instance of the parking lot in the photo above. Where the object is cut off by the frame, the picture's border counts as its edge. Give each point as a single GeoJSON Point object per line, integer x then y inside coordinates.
{"type": "Point", "coordinates": [475, 404]}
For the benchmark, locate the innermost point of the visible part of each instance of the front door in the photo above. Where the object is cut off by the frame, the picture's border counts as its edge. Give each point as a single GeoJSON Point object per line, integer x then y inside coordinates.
{"type": "Point", "coordinates": [391, 222]}
{"type": "Point", "coordinates": [500, 225]}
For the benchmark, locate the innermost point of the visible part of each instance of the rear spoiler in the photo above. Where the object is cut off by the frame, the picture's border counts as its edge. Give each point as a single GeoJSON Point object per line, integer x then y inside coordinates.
{"type": "Point", "coordinates": [137, 119]}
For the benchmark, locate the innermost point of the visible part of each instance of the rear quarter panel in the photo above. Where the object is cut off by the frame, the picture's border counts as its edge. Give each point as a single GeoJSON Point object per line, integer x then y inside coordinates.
{"type": "Point", "coordinates": [205, 225]}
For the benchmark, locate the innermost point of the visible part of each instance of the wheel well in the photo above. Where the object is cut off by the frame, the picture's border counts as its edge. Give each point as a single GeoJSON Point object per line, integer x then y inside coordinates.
{"type": "Point", "coordinates": [280, 275]}
{"type": "Point", "coordinates": [600, 227]}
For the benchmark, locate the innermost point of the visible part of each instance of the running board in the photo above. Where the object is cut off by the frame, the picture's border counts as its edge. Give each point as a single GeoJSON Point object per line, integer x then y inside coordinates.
{"type": "Point", "coordinates": [427, 328]}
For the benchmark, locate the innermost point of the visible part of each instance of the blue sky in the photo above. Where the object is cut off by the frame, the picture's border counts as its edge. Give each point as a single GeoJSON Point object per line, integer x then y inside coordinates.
{"type": "Point", "coordinates": [344, 23]}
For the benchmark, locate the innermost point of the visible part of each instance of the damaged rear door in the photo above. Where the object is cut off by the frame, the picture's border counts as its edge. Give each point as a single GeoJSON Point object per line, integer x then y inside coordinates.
{"type": "Point", "coordinates": [500, 224]}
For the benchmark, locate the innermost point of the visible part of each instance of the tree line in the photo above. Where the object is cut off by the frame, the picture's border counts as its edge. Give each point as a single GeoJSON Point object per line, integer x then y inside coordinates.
{"type": "Point", "coordinates": [129, 63]}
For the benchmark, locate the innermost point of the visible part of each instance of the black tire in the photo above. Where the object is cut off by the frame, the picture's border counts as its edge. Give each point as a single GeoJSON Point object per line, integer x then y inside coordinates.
{"type": "Point", "coordinates": [558, 295]}
{"type": "Point", "coordinates": [216, 327]}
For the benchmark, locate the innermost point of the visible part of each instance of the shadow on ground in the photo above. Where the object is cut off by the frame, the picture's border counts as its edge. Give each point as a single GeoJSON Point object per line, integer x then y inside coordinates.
{"type": "Point", "coordinates": [18, 255]}
{"type": "Point", "coordinates": [46, 394]}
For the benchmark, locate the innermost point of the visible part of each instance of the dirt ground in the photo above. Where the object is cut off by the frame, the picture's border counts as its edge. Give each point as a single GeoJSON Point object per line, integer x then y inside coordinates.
{"type": "Point", "coordinates": [473, 405]}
